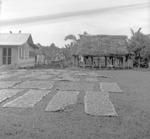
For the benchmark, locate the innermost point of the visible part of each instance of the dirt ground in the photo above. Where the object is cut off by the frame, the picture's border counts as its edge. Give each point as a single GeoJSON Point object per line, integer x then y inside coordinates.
{"type": "Point", "coordinates": [132, 106]}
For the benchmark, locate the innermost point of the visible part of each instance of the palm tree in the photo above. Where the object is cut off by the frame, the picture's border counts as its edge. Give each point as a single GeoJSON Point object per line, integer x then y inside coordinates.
{"type": "Point", "coordinates": [139, 44]}
{"type": "Point", "coordinates": [70, 37]}
{"type": "Point", "coordinates": [73, 40]}
{"type": "Point", "coordinates": [70, 48]}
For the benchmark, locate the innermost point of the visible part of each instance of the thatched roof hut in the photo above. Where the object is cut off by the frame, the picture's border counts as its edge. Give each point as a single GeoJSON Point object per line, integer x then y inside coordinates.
{"type": "Point", "coordinates": [101, 45]}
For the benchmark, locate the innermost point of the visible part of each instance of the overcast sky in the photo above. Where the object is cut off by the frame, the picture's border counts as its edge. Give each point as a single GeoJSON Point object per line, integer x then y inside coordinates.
{"type": "Point", "coordinates": [92, 16]}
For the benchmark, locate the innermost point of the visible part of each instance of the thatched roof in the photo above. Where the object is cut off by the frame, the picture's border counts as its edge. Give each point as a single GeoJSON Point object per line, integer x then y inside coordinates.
{"type": "Point", "coordinates": [101, 45]}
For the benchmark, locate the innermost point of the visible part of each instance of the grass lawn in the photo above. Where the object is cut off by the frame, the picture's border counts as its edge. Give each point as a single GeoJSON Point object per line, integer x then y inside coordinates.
{"type": "Point", "coordinates": [132, 106]}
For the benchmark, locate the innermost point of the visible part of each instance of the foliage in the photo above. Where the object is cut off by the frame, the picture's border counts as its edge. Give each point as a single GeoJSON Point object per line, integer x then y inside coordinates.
{"type": "Point", "coordinates": [139, 44]}
{"type": "Point", "coordinates": [70, 37]}
{"type": "Point", "coordinates": [70, 48]}
{"type": "Point", "coordinates": [51, 53]}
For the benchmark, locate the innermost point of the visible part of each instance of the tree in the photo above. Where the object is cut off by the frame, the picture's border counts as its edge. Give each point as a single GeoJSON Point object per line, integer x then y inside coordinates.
{"type": "Point", "coordinates": [69, 48]}
{"type": "Point", "coordinates": [71, 37]}
{"type": "Point", "coordinates": [73, 43]}
{"type": "Point", "coordinates": [72, 46]}
{"type": "Point", "coordinates": [139, 44]}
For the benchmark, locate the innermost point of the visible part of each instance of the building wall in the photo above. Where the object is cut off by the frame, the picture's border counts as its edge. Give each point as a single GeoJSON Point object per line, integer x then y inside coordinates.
{"type": "Point", "coordinates": [25, 59]}
{"type": "Point", "coordinates": [14, 52]}
{"type": "Point", "coordinates": [20, 60]}
{"type": "Point", "coordinates": [40, 59]}
{"type": "Point", "coordinates": [1, 56]}
{"type": "Point", "coordinates": [14, 58]}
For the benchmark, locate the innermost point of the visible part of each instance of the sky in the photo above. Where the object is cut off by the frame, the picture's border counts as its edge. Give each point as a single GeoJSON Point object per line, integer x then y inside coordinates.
{"type": "Point", "coordinates": [51, 20]}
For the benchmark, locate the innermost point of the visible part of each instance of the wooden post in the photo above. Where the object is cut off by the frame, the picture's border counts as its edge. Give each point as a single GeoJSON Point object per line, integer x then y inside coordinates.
{"type": "Point", "coordinates": [106, 61]}
{"type": "Point", "coordinates": [112, 61]}
{"type": "Point", "coordinates": [73, 60]}
{"type": "Point", "coordinates": [83, 62]}
{"type": "Point", "coordinates": [92, 61]}
{"type": "Point", "coordinates": [77, 61]}
{"type": "Point", "coordinates": [130, 62]}
{"type": "Point", "coordinates": [124, 58]}
{"type": "Point", "coordinates": [100, 65]}
{"type": "Point", "coordinates": [98, 62]}
{"type": "Point", "coordinates": [127, 62]}
{"type": "Point", "coordinates": [89, 62]}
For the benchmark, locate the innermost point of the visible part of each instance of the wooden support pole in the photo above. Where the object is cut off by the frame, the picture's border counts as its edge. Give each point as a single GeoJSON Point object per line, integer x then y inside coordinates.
{"type": "Point", "coordinates": [106, 61]}
{"type": "Point", "coordinates": [112, 61]}
{"type": "Point", "coordinates": [77, 58]}
{"type": "Point", "coordinates": [124, 58]}
{"type": "Point", "coordinates": [100, 65]}
{"type": "Point", "coordinates": [92, 61]}
{"type": "Point", "coordinates": [97, 64]}
{"type": "Point", "coordinates": [74, 60]}
{"type": "Point", "coordinates": [83, 62]}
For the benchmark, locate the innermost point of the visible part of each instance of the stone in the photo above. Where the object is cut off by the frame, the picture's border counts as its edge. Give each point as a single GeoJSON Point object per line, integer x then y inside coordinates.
{"type": "Point", "coordinates": [75, 86]}
{"type": "Point", "coordinates": [81, 74]}
{"type": "Point", "coordinates": [68, 86]}
{"type": "Point", "coordinates": [35, 85]}
{"type": "Point", "coordinates": [43, 77]}
{"type": "Point", "coordinates": [28, 100]}
{"type": "Point", "coordinates": [7, 84]}
{"type": "Point", "coordinates": [29, 75]}
{"type": "Point", "coordinates": [110, 87]}
{"type": "Point", "coordinates": [8, 93]}
{"type": "Point", "coordinates": [66, 78]}
{"type": "Point", "coordinates": [61, 100]}
{"type": "Point", "coordinates": [90, 79]}
{"type": "Point", "coordinates": [98, 104]}
{"type": "Point", "coordinates": [92, 74]}
{"type": "Point", "coordinates": [4, 76]}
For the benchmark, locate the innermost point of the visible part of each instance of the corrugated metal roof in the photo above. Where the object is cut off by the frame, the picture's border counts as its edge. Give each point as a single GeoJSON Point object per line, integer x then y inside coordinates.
{"type": "Point", "coordinates": [14, 39]}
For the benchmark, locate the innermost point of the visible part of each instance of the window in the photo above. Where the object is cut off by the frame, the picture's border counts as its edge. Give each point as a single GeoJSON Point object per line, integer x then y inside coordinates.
{"type": "Point", "coordinates": [9, 60]}
{"type": "Point", "coordinates": [4, 52]}
{"type": "Point", "coordinates": [9, 55]}
{"type": "Point", "coordinates": [19, 51]}
{"type": "Point", "coordinates": [6, 56]}
{"type": "Point", "coordinates": [22, 53]}
{"type": "Point", "coordinates": [4, 60]}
